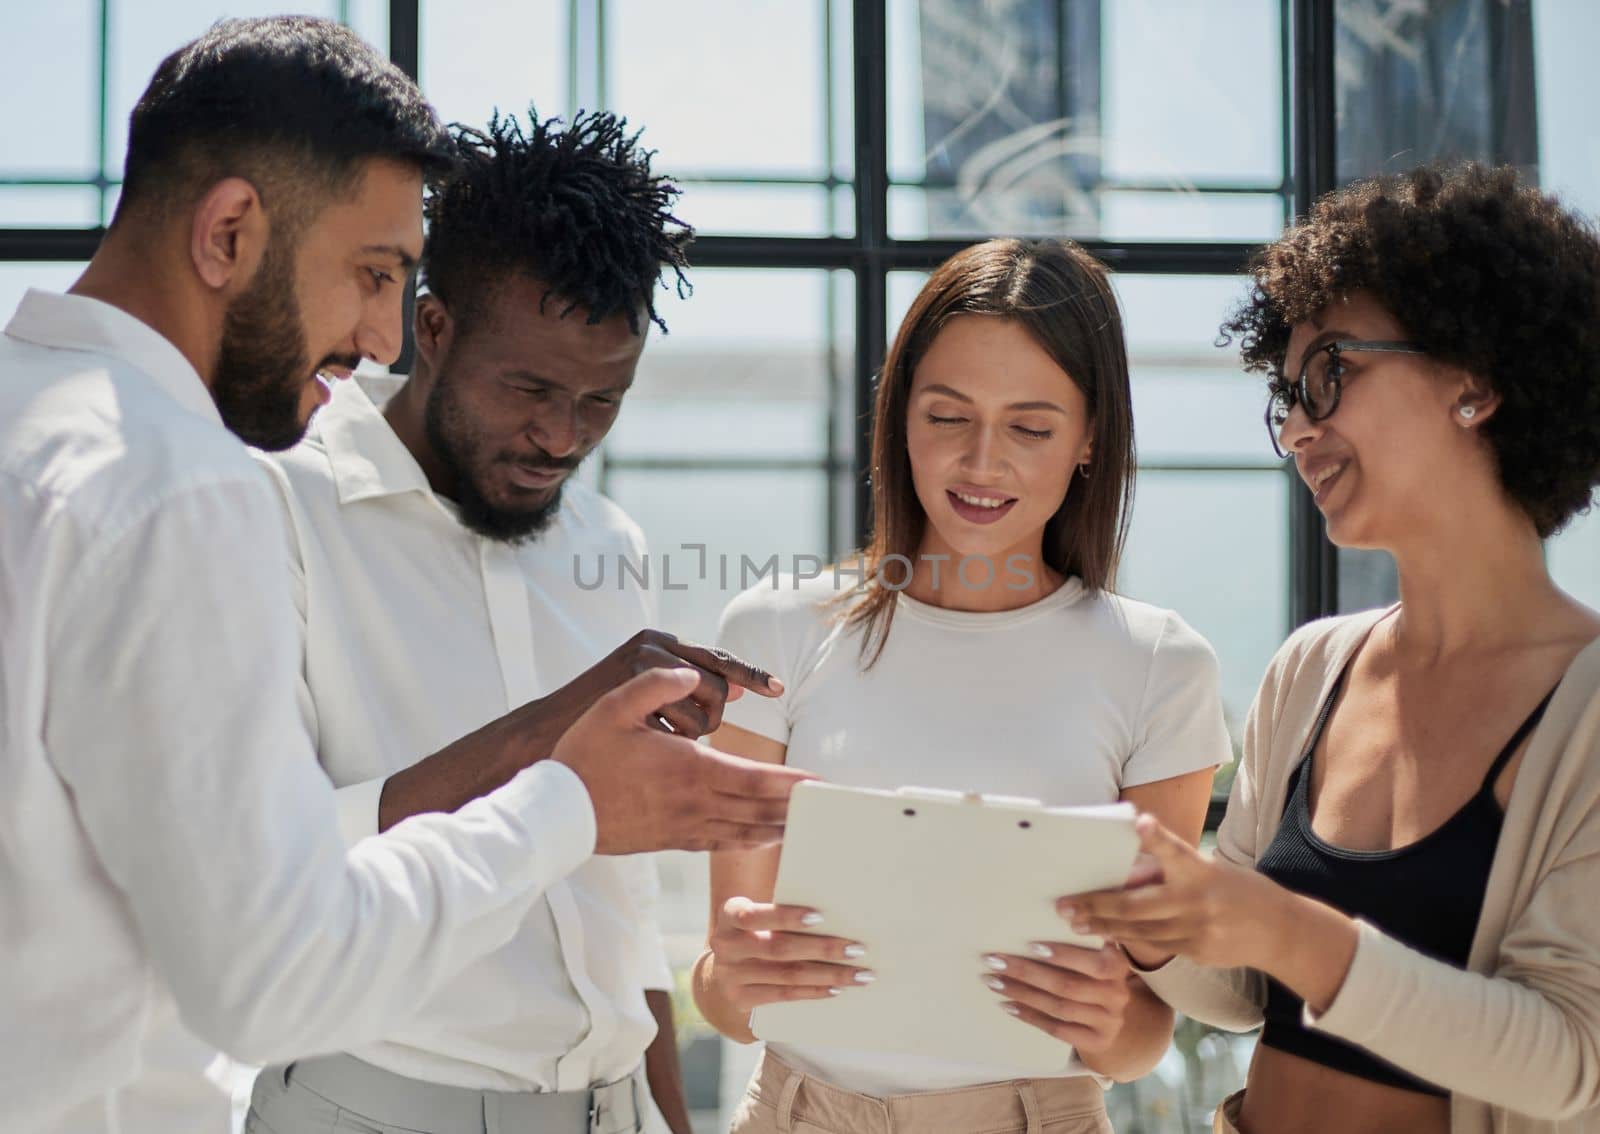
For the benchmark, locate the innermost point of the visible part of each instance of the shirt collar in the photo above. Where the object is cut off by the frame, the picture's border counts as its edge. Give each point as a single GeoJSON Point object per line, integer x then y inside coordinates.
{"type": "Point", "coordinates": [368, 459]}
{"type": "Point", "coordinates": [76, 322]}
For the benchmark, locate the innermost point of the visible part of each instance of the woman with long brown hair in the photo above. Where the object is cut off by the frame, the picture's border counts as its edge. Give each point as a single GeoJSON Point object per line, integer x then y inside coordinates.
{"type": "Point", "coordinates": [980, 649]}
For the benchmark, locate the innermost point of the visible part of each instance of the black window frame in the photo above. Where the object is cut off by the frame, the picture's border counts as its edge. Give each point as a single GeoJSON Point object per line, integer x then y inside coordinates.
{"type": "Point", "coordinates": [871, 253]}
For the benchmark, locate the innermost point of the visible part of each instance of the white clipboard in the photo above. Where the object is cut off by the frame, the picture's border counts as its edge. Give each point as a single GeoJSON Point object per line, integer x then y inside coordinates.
{"type": "Point", "coordinates": [930, 881]}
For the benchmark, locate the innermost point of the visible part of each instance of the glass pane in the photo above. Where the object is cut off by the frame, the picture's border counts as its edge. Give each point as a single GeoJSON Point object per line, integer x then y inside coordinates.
{"type": "Point", "coordinates": [1564, 34]}
{"type": "Point", "coordinates": [760, 105]}
{"type": "Point", "coordinates": [1191, 401]}
{"type": "Point", "coordinates": [1037, 116]}
{"type": "Point", "coordinates": [744, 209]}
{"type": "Point", "coordinates": [49, 206]}
{"type": "Point", "coordinates": [495, 54]}
{"type": "Point", "coordinates": [51, 52]}
{"type": "Point", "coordinates": [746, 518]}
{"type": "Point", "coordinates": [1185, 215]}
{"type": "Point", "coordinates": [901, 293]}
{"type": "Point", "coordinates": [916, 212]}
{"type": "Point", "coordinates": [1574, 559]}
{"type": "Point", "coordinates": [1367, 579]}
{"type": "Point", "coordinates": [1214, 111]}
{"type": "Point", "coordinates": [1198, 414]}
{"type": "Point", "coordinates": [369, 19]}
{"type": "Point", "coordinates": [1177, 317]}
{"type": "Point", "coordinates": [749, 370]}
{"type": "Point", "coordinates": [1445, 80]}
{"type": "Point", "coordinates": [1568, 88]}
{"type": "Point", "coordinates": [752, 373]}
{"type": "Point", "coordinates": [16, 277]}
{"type": "Point", "coordinates": [1214, 546]}
{"type": "Point", "coordinates": [142, 35]}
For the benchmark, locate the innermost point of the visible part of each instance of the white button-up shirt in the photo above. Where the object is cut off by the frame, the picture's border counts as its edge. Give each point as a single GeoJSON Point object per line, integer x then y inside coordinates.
{"type": "Point", "coordinates": [416, 629]}
{"type": "Point", "coordinates": [168, 842]}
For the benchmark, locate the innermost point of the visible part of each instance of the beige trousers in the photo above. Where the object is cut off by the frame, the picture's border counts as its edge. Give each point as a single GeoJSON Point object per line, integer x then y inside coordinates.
{"type": "Point", "coordinates": [781, 1100]}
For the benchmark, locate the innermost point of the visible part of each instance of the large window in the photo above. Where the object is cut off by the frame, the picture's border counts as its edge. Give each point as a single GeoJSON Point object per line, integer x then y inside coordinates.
{"type": "Point", "coordinates": [832, 152]}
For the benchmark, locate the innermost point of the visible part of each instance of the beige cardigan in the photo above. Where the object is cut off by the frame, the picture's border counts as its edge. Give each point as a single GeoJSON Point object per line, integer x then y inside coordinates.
{"type": "Point", "coordinates": [1515, 1037]}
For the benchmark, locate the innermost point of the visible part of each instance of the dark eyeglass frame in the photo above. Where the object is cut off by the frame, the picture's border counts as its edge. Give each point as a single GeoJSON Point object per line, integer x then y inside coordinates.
{"type": "Point", "coordinates": [1298, 393]}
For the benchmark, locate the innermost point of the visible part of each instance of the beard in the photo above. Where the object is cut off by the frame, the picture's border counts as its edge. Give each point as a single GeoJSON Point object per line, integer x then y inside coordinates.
{"type": "Point", "coordinates": [263, 362]}
{"type": "Point", "coordinates": [460, 447]}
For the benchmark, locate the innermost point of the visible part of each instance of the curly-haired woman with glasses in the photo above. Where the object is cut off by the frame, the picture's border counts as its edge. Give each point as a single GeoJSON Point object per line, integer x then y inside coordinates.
{"type": "Point", "coordinates": [1406, 890]}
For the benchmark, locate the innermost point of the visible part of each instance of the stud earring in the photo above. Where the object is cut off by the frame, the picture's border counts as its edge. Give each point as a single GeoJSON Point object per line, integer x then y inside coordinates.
{"type": "Point", "coordinates": [1468, 412]}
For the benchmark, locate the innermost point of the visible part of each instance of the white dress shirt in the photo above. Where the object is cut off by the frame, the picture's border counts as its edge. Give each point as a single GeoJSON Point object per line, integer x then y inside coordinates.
{"type": "Point", "coordinates": [416, 629]}
{"type": "Point", "coordinates": [168, 843]}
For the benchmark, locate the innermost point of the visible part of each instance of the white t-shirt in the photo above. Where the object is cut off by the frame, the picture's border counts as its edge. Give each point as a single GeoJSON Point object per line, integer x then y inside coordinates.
{"type": "Point", "coordinates": [1068, 700]}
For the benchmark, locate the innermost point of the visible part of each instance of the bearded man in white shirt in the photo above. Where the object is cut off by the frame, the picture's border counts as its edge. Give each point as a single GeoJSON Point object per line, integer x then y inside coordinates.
{"type": "Point", "coordinates": [171, 864]}
{"type": "Point", "coordinates": [437, 541]}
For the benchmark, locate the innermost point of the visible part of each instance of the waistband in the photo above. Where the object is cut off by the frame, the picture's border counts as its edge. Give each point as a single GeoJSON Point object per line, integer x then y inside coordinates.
{"type": "Point", "coordinates": [434, 1108]}
{"type": "Point", "coordinates": [1021, 1104]}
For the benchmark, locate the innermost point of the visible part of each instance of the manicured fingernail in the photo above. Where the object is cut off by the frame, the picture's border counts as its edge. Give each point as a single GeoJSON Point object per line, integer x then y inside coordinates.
{"type": "Point", "coordinates": [812, 918]}
{"type": "Point", "coordinates": [1041, 950]}
{"type": "Point", "coordinates": [853, 951]}
{"type": "Point", "coordinates": [835, 991]}
{"type": "Point", "coordinates": [774, 684]}
{"type": "Point", "coordinates": [995, 983]}
{"type": "Point", "coordinates": [998, 964]}
{"type": "Point", "coordinates": [866, 976]}
{"type": "Point", "coordinates": [1081, 925]}
{"type": "Point", "coordinates": [1011, 1009]}
{"type": "Point", "coordinates": [1066, 912]}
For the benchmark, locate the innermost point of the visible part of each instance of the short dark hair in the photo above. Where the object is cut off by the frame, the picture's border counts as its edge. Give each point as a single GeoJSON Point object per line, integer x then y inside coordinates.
{"type": "Point", "coordinates": [1062, 297]}
{"type": "Point", "coordinates": [1485, 274]}
{"type": "Point", "coordinates": [294, 104]}
{"type": "Point", "coordinates": [576, 208]}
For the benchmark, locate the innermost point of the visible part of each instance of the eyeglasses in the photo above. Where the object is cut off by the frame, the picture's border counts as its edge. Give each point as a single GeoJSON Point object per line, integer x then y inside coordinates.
{"type": "Point", "coordinates": [1320, 382]}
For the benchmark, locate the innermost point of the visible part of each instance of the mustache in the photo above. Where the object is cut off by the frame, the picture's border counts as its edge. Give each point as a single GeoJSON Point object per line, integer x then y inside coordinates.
{"type": "Point", "coordinates": [544, 462]}
{"type": "Point", "coordinates": [343, 361]}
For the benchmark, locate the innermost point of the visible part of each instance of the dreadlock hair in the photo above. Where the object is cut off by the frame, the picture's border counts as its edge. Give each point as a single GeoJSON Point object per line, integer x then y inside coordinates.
{"type": "Point", "coordinates": [576, 208]}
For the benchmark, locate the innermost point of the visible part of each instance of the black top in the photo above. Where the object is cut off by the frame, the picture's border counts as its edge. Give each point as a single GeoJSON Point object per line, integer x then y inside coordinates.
{"type": "Point", "coordinates": [1427, 895]}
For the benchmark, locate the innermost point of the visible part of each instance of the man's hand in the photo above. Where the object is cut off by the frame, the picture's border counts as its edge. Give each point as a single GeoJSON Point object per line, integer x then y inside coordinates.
{"type": "Point", "coordinates": [483, 760]}
{"type": "Point", "coordinates": [721, 678]}
{"type": "Point", "coordinates": [655, 791]}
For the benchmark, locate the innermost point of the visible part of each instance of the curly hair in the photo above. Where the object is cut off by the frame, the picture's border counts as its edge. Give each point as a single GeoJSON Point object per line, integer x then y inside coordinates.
{"type": "Point", "coordinates": [576, 208]}
{"type": "Point", "coordinates": [1485, 274]}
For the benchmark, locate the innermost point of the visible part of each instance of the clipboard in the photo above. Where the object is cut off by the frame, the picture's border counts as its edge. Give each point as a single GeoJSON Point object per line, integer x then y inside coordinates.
{"type": "Point", "coordinates": [930, 881]}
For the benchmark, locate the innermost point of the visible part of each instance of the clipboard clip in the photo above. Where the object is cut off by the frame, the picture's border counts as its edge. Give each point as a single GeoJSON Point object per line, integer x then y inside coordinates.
{"type": "Point", "coordinates": [940, 795]}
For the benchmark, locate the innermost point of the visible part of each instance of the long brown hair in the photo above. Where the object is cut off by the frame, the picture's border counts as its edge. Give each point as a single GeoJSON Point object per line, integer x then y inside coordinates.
{"type": "Point", "coordinates": [1062, 297]}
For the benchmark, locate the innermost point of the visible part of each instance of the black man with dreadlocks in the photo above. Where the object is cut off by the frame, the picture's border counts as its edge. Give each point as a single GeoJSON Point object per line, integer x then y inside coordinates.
{"type": "Point", "coordinates": [437, 529]}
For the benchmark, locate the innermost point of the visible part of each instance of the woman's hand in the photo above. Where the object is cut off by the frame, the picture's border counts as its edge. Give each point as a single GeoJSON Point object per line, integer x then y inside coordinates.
{"type": "Point", "coordinates": [1182, 901]}
{"type": "Point", "coordinates": [1079, 996]}
{"type": "Point", "coordinates": [763, 953]}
